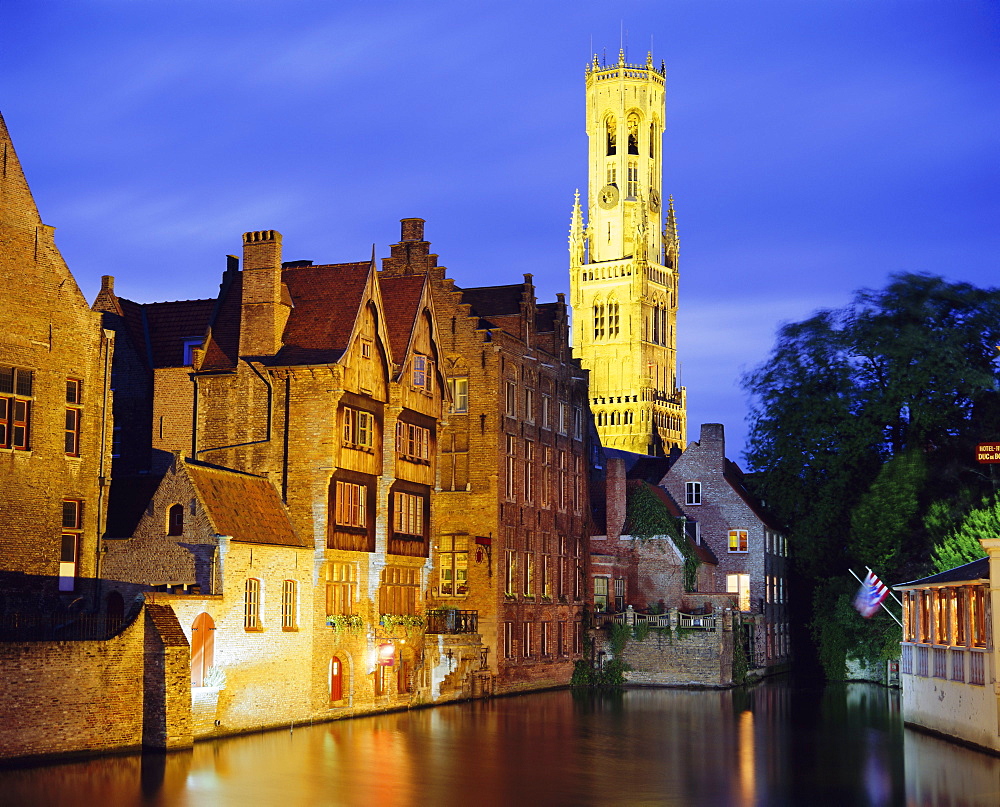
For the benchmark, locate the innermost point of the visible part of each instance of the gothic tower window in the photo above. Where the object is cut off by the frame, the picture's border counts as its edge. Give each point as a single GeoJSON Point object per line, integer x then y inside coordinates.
{"type": "Point", "coordinates": [598, 320]}
{"type": "Point", "coordinates": [611, 136]}
{"type": "Point", "coordinates": [633, 134]}
{"type": "Point", "coordinates": [652, 141]}
{"type": "Point", "coordinates": [632, 188]}
{"type": "Point", "coordinates": [613, 318]}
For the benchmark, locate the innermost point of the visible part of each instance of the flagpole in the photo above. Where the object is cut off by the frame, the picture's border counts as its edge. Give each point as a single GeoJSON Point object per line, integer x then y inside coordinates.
{"type": "Point", "coordinates": [881, 604]}
{"type": "Point", "coordinates": [889, 589]}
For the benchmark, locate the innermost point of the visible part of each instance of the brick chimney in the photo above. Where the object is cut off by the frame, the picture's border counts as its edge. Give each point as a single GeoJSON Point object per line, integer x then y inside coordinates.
{"type": "Point", "coordinates": [614, 492]}
{"type": "Point", "coordinates": [412, 255]}
{"type": "Point", "coordinates": [264, 314]}
{"type": "Point", "coordinates": [713, 440]}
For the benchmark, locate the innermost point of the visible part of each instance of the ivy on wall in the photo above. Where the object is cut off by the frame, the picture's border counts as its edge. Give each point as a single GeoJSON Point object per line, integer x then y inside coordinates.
{"type": "Point", "coordinates": [648, 519]}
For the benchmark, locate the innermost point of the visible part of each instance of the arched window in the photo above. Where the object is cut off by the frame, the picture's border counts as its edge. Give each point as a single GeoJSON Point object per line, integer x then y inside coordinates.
{"type": "Point", "coordinates": [202, 648]}
{"type": "Point", "coordinates": [336, 680]}
{"type": "Point", "coordinates": [652, 141]}
{"type": "Point", "coordinates": [598, 320]}
{"type": "Point", "coordinates": [613, 318]}
{"type": "Point", "coordinates": [612, 135]}
{"type": "Point", "coordinates": [175, 520]}
{"type": "Point", "coordinates": [632, 185]}
{"type": "Point", "coordinates": [633, 134]}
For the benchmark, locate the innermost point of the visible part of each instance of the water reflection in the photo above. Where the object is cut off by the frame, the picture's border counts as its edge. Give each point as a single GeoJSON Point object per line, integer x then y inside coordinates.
{"type": "Point", "coordinates": [773, 745]}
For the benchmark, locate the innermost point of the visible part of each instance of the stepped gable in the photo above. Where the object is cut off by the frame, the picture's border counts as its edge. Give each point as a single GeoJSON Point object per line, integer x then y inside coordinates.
{"type": "Point", "coordinates": [401, 296]}
{"type": "Point", "coordinates": [17, 205]}
{"type": "Point", "coordinates": [243, 506]}
{"type": "Point", "coordinates": [326, 300]}
{"type": "Point", "coordinates": [495, 301]}
{"type": "Point", "coordinates": [545, 317]}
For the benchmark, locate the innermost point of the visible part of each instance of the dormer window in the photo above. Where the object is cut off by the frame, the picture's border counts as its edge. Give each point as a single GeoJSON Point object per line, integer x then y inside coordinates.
{"type": "Point", "coordinates": [422, 373]}
{"type": "Point", "coordinates": [190, 345]}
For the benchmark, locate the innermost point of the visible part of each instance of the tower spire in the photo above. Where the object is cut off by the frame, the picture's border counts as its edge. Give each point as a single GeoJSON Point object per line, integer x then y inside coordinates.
{"type": "Point", "coordinates": [576, 237]}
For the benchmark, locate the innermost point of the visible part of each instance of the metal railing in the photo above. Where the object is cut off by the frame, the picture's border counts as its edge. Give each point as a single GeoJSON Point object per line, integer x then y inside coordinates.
{"type": "Point", "coordinates": [58, 627]}
{"type": "Point", "coordinates": [451, 620]}
{"type": "Point", "coordinates": [687, 621]}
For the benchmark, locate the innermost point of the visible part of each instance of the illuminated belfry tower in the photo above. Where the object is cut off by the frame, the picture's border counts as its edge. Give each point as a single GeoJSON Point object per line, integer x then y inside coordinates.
{"type": "Point", "coordinates": [623, 264]}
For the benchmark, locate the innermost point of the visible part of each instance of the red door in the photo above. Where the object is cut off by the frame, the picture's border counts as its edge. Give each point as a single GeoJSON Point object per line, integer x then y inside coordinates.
{"type": "Point", "coordinates": [336, 680]}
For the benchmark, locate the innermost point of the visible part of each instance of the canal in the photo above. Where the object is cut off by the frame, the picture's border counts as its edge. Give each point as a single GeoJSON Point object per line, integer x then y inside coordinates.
{"type": "Point", "coordinates": [776, 744]}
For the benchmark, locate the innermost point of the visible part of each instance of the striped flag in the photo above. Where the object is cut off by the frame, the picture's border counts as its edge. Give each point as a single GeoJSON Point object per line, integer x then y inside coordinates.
{"type": "Point", "coordinates": [870, 595]}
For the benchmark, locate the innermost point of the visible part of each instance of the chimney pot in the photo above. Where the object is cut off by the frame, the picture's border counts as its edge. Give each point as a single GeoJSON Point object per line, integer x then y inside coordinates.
{"type": "Point", "coordinates": [411, 229]}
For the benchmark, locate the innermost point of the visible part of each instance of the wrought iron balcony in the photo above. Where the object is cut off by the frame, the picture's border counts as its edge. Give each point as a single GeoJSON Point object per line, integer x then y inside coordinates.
{"type": "Point", "coordinates": [451, 620]}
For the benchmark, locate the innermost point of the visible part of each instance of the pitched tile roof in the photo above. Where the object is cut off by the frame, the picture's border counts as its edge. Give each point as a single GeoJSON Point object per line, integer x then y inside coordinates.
{"type": "Point", "coordinates": [243, 506]}
{"type": "Point", "coordinates": [326, 302]}
{"type": "Point", "coordinates": [171, 323]}
{"type": "Point", "coordinates": [401, 300]}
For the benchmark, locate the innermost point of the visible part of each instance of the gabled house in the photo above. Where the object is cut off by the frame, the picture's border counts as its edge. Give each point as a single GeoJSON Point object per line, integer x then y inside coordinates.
{"type": "Point", "coordinates": [750, 546]}
{"type": "Point", "coordinates": [55, 418]}
{"type": "Point", "coordinates": [217, 546]}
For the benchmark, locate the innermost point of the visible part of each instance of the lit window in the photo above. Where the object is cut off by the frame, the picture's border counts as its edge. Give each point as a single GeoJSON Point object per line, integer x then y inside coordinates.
{"type": "Point", "coordinates": [601, 593]}
{"type": "Point", "coordinates": [15, 407]}
{"type": "Point", "coordinates": [289, 605]}
{"type": "Point", "coordinates": [453, 571]}
{"type": "Point", "coordinates": [341, 582]}
{"type": "Point", "coordinates": [72, 526]}
{"type": "Point", "coordinates": [738, 541]}
{"type": "Point", "coordinates": [510, 570]}
{"type": "Point", "coordinates": [459, 388]}
{"type": "Point", "coordinates": [739, 584]}
{"type": "Point", "coordinates": [251, 605]}
{"type": "Point", "coordinates": [692, 493]}
{"type": "Point", "coordinates": [409, 514]}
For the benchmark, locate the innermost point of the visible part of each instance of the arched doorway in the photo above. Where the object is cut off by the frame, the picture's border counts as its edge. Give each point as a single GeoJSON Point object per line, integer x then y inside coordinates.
{"type": "Point", "coordinates": [202, 648]}
{"type": "Point", "coordinates": [336, 680]}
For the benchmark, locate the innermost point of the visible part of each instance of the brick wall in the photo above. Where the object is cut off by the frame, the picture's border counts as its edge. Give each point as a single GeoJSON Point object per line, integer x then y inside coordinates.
{"type": "Point", "coordinates": [96, 696]}
{"type": "Point", "coordinates": [695, 658]}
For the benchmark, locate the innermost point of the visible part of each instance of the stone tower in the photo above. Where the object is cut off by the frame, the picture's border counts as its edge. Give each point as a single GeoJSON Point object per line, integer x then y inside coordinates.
{"type": "Point", "coordinates": [623, 264]}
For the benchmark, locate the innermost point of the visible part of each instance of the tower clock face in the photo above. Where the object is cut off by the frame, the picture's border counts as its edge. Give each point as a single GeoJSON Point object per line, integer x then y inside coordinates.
{"type": "Point", "coordinates": [608, 197]}
{"type": "Point", "coordinates": [654, 199]}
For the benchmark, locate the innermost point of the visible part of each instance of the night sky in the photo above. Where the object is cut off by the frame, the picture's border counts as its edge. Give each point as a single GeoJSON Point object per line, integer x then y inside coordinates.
{"type": "Point", "coordinates": [812, 147]}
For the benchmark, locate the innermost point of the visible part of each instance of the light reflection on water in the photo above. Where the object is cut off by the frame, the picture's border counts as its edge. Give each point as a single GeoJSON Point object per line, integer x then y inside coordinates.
{"type": "Point", "coordinates": [773, 745]}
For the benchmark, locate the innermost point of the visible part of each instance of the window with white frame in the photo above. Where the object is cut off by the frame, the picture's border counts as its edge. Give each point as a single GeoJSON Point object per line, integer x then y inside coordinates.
{"type": "Point", "coordinates": [601, 593]}
{"type": "Point", "coordinates": [529, 405]}
{"type": "Point", "coordinates": [508, 640]}
{"type": "Point", "coordinates": [423, 374]}
{"type": "Point", "coordinates": [529, 476]}
{"type": "Point", "coordinates": [563, 418]}
{"type": "Point", "coordinates": [359, 428]}
{"type": "Point", "coordinates": [72, 533]}
{"type": "Point", "coordinates": [546, 412]}
{"type": "Point", "coordinates": [546, 486]}
{"type": "Point", "coordinates": [529, 574]}
{"type": "Point", "coordinates": [453, 566]}
{"type": "Point", "coordinates": [738, 540]}
{"type": "Point", "coordinates": [510, 572]}
{"type": "Point", "coordinates": [459, 389]}
{"type": "Point", "coordinates": [526, 639]}
{"type": "Point", "coordinates": [739, 584]}
{"type": "Point", "coordinates": [577, 423]}
{"type": "Point", "coordinates": [511, 467]}
{"type": "Point", "coordinates": [692, 493]}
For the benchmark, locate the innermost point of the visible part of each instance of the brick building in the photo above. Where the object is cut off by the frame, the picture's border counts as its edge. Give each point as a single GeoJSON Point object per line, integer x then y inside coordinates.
{"type": "Point", "coordinates": [750, 546]}
{"type": "Point", "coordinates": [55, 437]}
{"type": "Point", "coordinates": [513, 521]}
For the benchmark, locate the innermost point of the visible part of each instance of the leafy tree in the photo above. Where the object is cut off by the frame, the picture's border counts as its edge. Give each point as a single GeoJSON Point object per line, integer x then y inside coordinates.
{"type": "Point", "coordinates": [961, 545]}
{"type": "Point", "coordinates": [904, 375]}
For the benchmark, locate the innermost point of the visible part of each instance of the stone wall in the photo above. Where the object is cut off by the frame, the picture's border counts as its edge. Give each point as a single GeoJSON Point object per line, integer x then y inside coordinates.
{"type": "Point", "coordinates": [682, 658]}
{"type": "Point", "coordinates": [97, 696]}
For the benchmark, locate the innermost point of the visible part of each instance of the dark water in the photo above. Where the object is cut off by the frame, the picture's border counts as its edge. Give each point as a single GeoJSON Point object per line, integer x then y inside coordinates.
{"type": "Point", "coordinates": [774, 745]}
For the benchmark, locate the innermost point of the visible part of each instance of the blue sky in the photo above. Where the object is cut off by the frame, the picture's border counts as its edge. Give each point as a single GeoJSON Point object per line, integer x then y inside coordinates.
{"type": "Point", "coordinates": [812, 147]}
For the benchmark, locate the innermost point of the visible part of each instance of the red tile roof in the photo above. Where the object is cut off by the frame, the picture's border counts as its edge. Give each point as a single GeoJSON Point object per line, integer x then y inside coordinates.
{"type": "Point", "coordinates": [243, 506]}
{"type": "Point", "coordinates": [326, 302]}
{"type": "Point", "coordinates": [401, 297]}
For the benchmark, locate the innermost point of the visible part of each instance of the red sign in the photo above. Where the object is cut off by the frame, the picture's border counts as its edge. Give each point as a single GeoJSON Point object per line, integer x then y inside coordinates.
{"type": "Point", "coordinates": [988, 452]}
